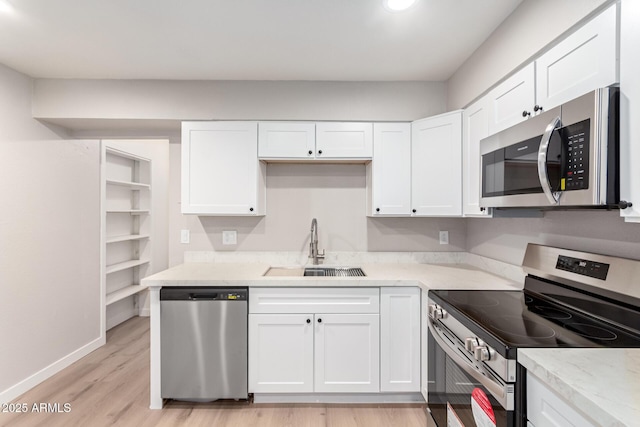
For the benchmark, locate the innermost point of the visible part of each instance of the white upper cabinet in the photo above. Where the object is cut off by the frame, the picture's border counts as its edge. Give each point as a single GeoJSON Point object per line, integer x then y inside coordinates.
{"type": "Point", "coordinates": [221, 173]}
{"type": "Point", "coordinates": [512, 101]}
{"type": "Point", "coordinates": [630, 92]}
{"type": "Point", "coordinates": [340, 140]}
{"type": "Point", "coordinates": [436, 162]}
{"type": "Point", "coordinates": [277, 140]}
{"type": "Point", "coordinates": [390, 171]}
{"type": "Point", "coordinates": [475, 126]}
{"type": "Point", "coordinates": [587, 59]}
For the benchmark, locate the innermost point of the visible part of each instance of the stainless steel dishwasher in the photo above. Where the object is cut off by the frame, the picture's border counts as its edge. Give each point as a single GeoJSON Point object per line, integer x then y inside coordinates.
{"type": "Point", "coordinates": [203, 339]}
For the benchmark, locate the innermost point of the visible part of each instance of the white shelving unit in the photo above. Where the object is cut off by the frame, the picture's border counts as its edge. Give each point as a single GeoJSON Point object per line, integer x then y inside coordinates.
{"type": "Point", "coordinates": [126, 230]}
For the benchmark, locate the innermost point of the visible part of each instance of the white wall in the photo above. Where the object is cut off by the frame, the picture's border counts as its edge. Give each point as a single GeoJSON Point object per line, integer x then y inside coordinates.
{"type": "Point", "coordinates": [335, 194]}
{"type": "Point", "coordinates": [533, 25]}
{"type": "Point", "coordinates": [49, 243]}
{"type": "Point", "coordinates": [516, 40]}
{"type": "Point", "coordinates": [62, 100]}
{"type": "Point", "coordinates": [506, 239]}
{"type": "Point", "coordinates": [296, 193]}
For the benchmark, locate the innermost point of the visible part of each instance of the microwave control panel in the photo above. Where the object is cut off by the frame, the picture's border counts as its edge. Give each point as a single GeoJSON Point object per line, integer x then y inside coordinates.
{"type": "Point", "coordinates": [575, 139]}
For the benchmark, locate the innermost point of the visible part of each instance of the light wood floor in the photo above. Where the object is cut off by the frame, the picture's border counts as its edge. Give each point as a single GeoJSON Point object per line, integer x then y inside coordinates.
{"type": "Point", "coordinates": [111, 387]}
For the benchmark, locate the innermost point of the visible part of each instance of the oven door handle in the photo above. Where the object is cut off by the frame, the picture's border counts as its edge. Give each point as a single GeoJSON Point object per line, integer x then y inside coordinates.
{"type": "Point", "coordinates": [542, 161]}
{"type": "Point", "coordinates": [497, 390]}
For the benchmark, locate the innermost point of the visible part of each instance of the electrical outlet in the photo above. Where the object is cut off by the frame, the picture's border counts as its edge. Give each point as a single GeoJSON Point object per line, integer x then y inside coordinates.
{"type": "Point", "coordinates": [230, 237]}
{"type": "Point", "coordinates": [185, 236]}
{"type": "Point", "coordinates": [444, 237]}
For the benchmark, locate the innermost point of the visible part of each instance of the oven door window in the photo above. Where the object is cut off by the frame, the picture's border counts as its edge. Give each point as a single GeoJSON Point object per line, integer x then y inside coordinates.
{"type": "Point", "coordinates": [457, 399]}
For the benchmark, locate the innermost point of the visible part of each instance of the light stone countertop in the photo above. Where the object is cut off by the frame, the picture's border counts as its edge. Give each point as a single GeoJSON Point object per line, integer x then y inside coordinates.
{"type": "Point", "coordinates": [603, 384]}
{"type": "Point", "coordinates": [426, 276]}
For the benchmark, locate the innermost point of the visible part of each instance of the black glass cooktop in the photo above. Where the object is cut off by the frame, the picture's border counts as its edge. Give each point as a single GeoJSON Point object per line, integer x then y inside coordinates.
{"type": "Point", "coordinates": [521, 319]}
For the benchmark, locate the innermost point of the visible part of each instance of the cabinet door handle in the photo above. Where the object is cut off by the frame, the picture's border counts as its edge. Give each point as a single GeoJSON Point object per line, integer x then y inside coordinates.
{"type": "Point", "coordinates": [377, 209]}
{"type": "Point", "coordinates": [537, 108]}
{"type": "Point", "coordinates": [319, 151]}
{"type": "Point", "coordinates": [250, 209]}
{"type": "Point", "coordinates": [414, 210]}
{"type": "Point", "coordinates": [308, 320]}
{"type": "Point", "coordinates": [310, 152]}
{"type": "Point", "coordinates": [319, 320]}
{"type": "Point", "coordinates": [526, 113]}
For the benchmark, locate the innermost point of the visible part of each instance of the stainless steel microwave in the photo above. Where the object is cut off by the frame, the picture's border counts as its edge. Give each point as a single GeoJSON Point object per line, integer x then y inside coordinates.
{"type": "Point", "coordinates": [567, 157]}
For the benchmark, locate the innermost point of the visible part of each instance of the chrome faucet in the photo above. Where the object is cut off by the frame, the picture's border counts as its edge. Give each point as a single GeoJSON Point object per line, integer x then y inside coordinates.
{"type": "Point", "coordinates": [313, 243]}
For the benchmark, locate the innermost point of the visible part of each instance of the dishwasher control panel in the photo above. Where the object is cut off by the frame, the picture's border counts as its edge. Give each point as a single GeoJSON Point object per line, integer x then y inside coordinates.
{"type": "Point", "coordinates": [177, 293]}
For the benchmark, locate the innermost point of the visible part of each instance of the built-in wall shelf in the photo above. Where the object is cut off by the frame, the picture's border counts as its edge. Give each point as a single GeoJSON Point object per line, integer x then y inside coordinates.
{"type": "Point", "coordinates": [129, 184]}
{"type": "Point", "coordinates": [123, 293]}
{"type": "Point", "coordinates": [125, 265]}
{"type": "Point", "coordinates": [126, 238]}
{"type": "Point", "coordinates": [126, 231]}
{"type": "Point", "coordinates": [129, 211]}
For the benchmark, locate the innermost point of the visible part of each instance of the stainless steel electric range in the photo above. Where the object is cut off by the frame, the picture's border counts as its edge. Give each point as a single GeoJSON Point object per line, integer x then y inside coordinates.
{"type": "Point", "coordinates": [570, 299]}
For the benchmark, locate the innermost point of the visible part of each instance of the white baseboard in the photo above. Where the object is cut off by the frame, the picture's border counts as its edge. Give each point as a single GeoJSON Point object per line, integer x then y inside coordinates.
{"type": "Point", "coordinates": [27, 384]}
{"type": "Point", "coordinates": [144, 312]}
{"type": "Point", "coordinates": [338, 398]}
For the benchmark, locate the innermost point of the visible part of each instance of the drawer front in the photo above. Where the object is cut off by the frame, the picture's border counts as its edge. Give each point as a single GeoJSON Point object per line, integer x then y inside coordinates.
{"type": "Point", "coordinates": [314, 300]}
{"type": "Point", "coordinates": [547, 409]}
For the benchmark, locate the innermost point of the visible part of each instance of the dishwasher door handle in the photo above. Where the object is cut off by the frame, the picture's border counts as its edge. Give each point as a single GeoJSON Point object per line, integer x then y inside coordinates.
{"type": "Point", "coordinates": [203, 297]}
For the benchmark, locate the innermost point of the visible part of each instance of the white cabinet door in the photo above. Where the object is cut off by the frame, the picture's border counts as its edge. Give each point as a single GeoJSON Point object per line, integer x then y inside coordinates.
{"type": "Point", "coordinates": [436, 165]}
{"type": "Point", "coordinates": [584, 61]}
{"type": "Point", "coordinates": [347, 353]}
{"type": "Point", "coordinates": [390, 171]}
{"type": "Point", "coordinates": [335, 140]}
{"type": "Point", "coordinates": [221, 173]}
{"type": "Point", "coordinates": [424, 346]}
{"type": "Point", "coordinates": [475, 126]}
{"type": "Point", "coordinates": [400, 339]}
{"type": "Point", "coordinates": [513, 100]}
{"type": "Point", "coordinates": [547, 409]}
{"type": "Point", "coordinates": [630, 107]}
{"type": "Point", "coordinates": [280, 353]}
{"type": "Point", "coordinates": [277, 140]}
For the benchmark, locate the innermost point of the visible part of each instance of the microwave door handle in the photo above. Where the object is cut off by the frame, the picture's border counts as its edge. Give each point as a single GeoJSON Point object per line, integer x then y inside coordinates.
{"type": "Point", "coordinates": [497, 390]}
{"type": "Point", "coordinates": [542, 160]}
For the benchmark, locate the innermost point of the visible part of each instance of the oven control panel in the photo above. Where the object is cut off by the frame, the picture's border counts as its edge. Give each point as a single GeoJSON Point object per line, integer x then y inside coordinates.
{"type": "Point", "coordinates": [597, 270]}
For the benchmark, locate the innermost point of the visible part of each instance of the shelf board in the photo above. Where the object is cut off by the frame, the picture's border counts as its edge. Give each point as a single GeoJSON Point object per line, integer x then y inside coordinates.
{"type": "Point", "coordinates": [133, 185]}
{"type": "Point", "coordinates": [123, 293]}
{"type": "Point", "coordinates": [126, 238]}
{"type": "Point", "coordinates": [119, 153]}
{"type": "Point", "coordinates": [129, 211]}
{"type": "Point", "coordinates": [124, 265]}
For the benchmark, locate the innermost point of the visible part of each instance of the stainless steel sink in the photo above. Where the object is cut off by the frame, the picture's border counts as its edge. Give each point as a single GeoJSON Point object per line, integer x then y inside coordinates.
{"type": "Point", "coordinates": [334, 271]}
{"type": "Point", "coordinates": [318, 271]}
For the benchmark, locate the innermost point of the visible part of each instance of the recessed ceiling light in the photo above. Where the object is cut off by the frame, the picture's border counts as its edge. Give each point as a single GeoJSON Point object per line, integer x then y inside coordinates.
{"type": "Point", "coordinates": [398, 5]}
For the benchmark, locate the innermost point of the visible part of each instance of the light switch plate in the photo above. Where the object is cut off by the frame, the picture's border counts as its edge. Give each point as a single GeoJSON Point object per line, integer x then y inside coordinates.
{"type": "Point", "coordinates": [185, 236]}
{"type": "Point", "coordinates": [444, 237]}
{"type": "Point", "coordinates": [230, 237]}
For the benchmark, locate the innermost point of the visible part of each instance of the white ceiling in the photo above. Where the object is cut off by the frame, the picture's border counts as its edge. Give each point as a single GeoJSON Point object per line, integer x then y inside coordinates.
{"type": "Point", "coordinates": [350, 40]}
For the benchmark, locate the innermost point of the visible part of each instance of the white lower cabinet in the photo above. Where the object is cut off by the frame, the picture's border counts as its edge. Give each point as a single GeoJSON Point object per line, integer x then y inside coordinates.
{"type": "Point", "coordinates": [304, 351]}
{"type": "Point", "coordinates": [281, 353]}
{"type": "Point", "coordinates": [400, 339]}
{"type": "Point", "coordinates": [424, 346]}
{"type": "Point", "coordinates": [547, 409]}
{"type": "Point", "coordinates": [347, 349]}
